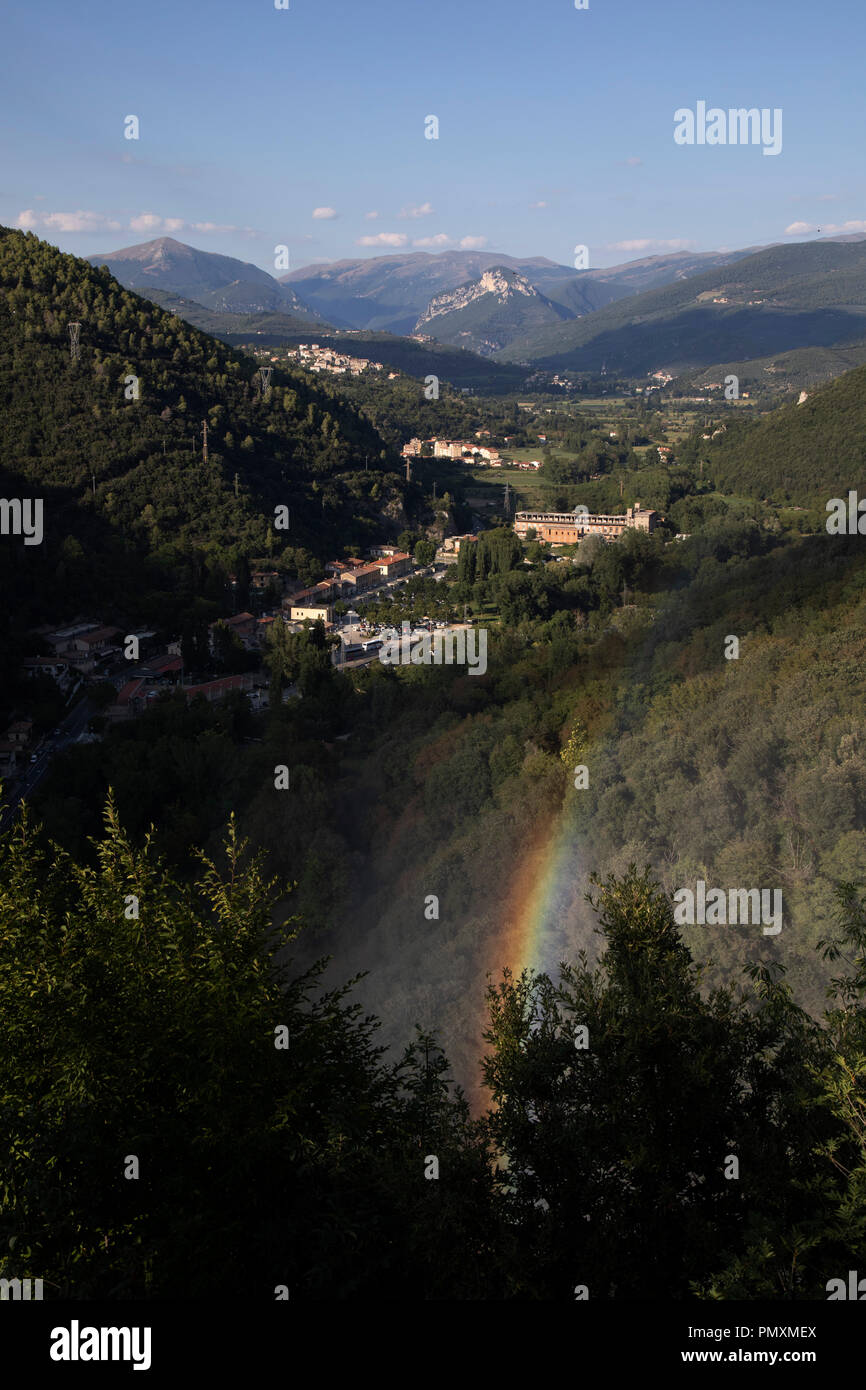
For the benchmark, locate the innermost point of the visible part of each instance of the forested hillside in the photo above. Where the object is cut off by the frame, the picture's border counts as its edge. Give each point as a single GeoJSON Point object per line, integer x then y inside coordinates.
{"type": "Point", "coordinates": [135, 517]}
{"type": "Point", "coordinates": [808, 452]}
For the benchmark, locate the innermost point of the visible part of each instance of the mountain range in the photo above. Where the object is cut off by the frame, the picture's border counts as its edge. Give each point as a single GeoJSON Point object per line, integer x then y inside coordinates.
{"type": "Point", "coordinates": [745, 310]}
{"type": "Point", "coordinates": [397, 294]}
{"type": "Point", "coordinates": [393, 292]}
{"type": "Point", "coordinates": [220, 283]}
{"type": "Point", "coordinates": [808, 295]}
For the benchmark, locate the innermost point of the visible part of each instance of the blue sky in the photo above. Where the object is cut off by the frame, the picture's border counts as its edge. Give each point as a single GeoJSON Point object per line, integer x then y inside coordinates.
{"type": "Point", "coordinates": [261, 126]}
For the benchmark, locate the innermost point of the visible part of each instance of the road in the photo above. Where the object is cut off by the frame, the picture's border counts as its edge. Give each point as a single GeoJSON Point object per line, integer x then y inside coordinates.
{"type": "Point", "coordinates": [68, 730]}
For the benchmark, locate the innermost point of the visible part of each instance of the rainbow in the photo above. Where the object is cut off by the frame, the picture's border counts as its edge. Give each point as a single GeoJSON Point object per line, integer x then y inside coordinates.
{"type": "Point", "coordinates": [537, 897]}
{"type": "Point", "coordinates": [538, 894]}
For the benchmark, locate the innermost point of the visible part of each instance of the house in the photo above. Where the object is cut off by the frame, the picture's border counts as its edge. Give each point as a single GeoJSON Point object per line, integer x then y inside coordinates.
{"type": "Point", "coordinates": [448, 449]}
{"type": "Point", "coordinates": [300, 612]}
{"type": "Point", "coordinates": [319, 593]}
{"type": "Point", "coordinates": [218, 689]}
{"type": "Point", "coordinates": [453, 543]}
{"type": "Point", "coordinates": [358, 581]}
{"type": "Point", "coordinates": [352, 563]}
{"type": "Point", "coordinates": [162, 668]}
{"type": "Point", "coordinates": [266, 579]}
{"type": "Point", "coordinates": [18, 733]}
{"type": "Point", "coordinates": [129, 701]}
{"type": "Point", "coordinates": [395, 565]}
{"type": "Point", "coordinates": [85, 646]}
{"type": "Point", "coordinates": [8, 758]}
{"type": "Point", "coordinates": [243, 625]}
{"type": "Point", "coordinates": [48, 666]}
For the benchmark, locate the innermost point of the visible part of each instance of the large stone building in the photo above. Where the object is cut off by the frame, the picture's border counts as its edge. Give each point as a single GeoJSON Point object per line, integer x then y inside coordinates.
{"type": "Point", "coordinates": [564, 528]}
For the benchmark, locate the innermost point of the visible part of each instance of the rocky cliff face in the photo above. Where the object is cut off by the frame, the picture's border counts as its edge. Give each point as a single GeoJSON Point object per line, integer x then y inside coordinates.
{"type": "Point", "coordinates": [504, 284]}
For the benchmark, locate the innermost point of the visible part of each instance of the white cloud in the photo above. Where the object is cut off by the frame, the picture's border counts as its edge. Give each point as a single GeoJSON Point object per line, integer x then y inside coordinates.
{"type": "Point", "coordinates": [421, 210]}
{"type": "Point", "coordinates": [324, 214]}
{"type": "Point", "coordinates": [371, 216]}
{"type": "Point", "coordinates": [83, 221]}
{"type": "Point", "coordinates": [441, 240]}
{"type": "Point", "coordinates": [383, 239]}
{"type": "Point", "coordinates": [633, 162]}
{"type": "Point", "coordinates": [542, 204]}
{"type": "Point", "coordinates": [650, 244]}
{"type": "Point", "coordinates": [174, 224]}
{"type": "Point", "coordinates": [146, 222]}
{"type": "Point", "coordinates": [830, 229]}
{"type": "Point", "coordinates": [80, 221]}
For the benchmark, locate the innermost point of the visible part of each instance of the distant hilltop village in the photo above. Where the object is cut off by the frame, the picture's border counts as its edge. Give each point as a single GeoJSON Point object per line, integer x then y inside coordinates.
{"type": "Point", "coordinates": [564, 528]}
{"type": "Point", "coordinates": [322, 359]}
{"type": "Point", "coordinates": [478, 455]}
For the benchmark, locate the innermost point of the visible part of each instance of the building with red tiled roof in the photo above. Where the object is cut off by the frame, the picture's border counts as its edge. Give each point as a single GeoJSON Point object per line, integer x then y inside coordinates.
{"type": "Point", "coordinates": [243, 625]}
{"type": "Point", "coordinates": [359, 580]}
{"type": "Point", "coordinates": [162, 666]}
{"type": "Point", "coordinates": [319, 593]}
{"type": "Point", "coordinates": [392, 565]}
{"type": "Point", "coordinates": [129, 702]}
{"type": "Point", "coordinates": [218, 689]}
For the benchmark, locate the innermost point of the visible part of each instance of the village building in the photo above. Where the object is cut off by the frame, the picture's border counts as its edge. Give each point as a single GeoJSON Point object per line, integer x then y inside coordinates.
{"type": "Point", "coordinates": [218, 689]}
{"type": "Point", "coordinates": [318, 593]}
{"type": "Point", "coordinates": [393, 566]}
{"type": "Point", "coordinates": [129, 702]}
{"type": "Point", "coordinates": [299, 613]}
{"type": "Point", "coordinates": [8, 758]}
{"type": "Point", "coordinates": [358, 581]}
{"type": "Point", "coordinates": [266, 579]}
{"type": "Point", "coordinates": [243, 625]}
{"type": "Point", "coordinates": [58, 670]}
{"type": "Point", "coordinates": [338, 566]}
{"type": "Point", "coordinates": [452, 544]}
{"type": "Point", "coordinates": [85, 646]}
{"type": "Point", "coordinates": [564, 528]}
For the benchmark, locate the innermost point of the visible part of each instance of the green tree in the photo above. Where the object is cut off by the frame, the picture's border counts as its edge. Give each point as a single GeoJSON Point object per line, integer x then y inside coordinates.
{"type": "Point", "coordinates": [145, 1019]}
{"type": "Point", "coordinates": [618, 1138]}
